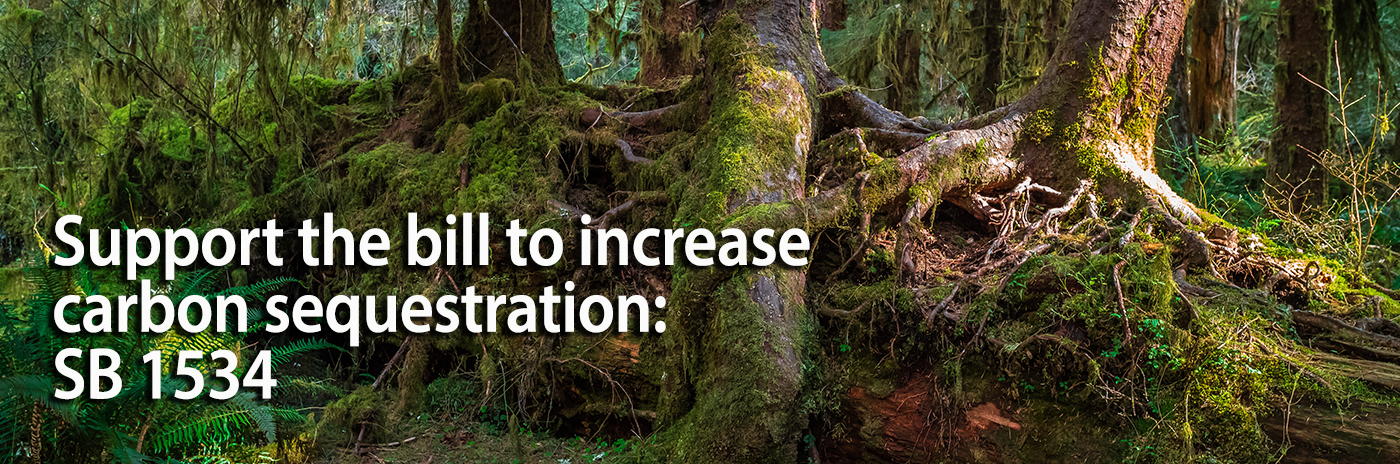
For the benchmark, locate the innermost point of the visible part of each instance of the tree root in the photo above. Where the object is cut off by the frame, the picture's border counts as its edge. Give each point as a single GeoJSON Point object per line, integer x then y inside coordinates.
{"type": "Point", "coordinates": [1020, 259]}
{"type": "Point", "coordinates": [1122, 306]}
{"type": "Point", "coordinates": [1187, 288]}
{"type": "Point", "coordinates": [652, 121]}
{"type": "Point", "coordinates": [827, 311]}
{"type": "Point", "coordinates": [1343, 331]}
{"type": "Point", "coordinates": [606, 220]}
{"type": "Point", "coordinates": [627, 153]}
{"type": "Point", "coordinates": [1049, 223]}
{"type": "Point", "coordinates": [866, 239]}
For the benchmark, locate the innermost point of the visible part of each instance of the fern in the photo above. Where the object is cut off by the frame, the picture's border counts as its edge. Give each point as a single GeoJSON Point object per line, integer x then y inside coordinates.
{"type": "Point", "coordinates": [170, 431]}
{"type": "Point", "coordinates": [284, 353]}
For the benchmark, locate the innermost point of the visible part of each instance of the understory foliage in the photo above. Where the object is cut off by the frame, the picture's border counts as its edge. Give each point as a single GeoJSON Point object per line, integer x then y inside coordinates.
{"type": "Point", "coordinates": [131, 427]}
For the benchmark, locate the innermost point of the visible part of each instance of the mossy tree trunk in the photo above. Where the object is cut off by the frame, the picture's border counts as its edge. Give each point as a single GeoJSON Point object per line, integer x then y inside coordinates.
{"type": "Point", "coordinates": [447, 50]}
{"type": "Point", "coordinates": [1211, 108]}
{"type": "Point", "coordinates": [905, 92]}
{"type": "Point", "coordinates": [670, 42]}
{"type": "Point", "coordinates": [740, 339]}
{"type": "Point", "coordinates": [734, 394]}
{"type": "Point", "coordinates": [988, 21]}
{"type": "Point", "coordinates": [1305, 36]}
{"type": "Point", "coordinates": [497, 33]}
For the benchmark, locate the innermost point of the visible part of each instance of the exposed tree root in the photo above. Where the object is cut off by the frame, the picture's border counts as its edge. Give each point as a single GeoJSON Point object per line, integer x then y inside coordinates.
{"type": "Point", "coordinates": [652, 121]}
{"type": "Point", "coordinates": [627, 153]}
{"type": "Point", "coordinates": [606, 220]}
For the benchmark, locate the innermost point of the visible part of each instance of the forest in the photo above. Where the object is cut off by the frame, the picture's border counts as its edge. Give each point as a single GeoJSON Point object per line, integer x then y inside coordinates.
{"type": "Point", "coordinates": [1146, 231]}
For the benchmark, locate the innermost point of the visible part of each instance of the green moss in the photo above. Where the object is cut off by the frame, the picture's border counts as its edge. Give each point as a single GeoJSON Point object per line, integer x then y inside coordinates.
{"type": "Point", "coordinates": [482, 98]}
{"type": "Point", "coordinates": [341, 418]}
{"type": "Point", "coordinates": [121, 120]}
{"type": "Point", "coordinates": [323, 91]}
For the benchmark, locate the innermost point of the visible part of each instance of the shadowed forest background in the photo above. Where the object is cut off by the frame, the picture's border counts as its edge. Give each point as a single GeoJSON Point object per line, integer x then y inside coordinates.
{"type": "Point", "coordinates": [1044, 231]}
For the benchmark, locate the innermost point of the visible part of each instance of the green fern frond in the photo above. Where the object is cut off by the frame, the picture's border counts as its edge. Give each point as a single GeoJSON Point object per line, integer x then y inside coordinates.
{"type": "Point", "coordinates": [284, 353]}
{"type": "Point", "coordinates": [260, 290]}
{"type": "Point", "coordinates": [40, 389]}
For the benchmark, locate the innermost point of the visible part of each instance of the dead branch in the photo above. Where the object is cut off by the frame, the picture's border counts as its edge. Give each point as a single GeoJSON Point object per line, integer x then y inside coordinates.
{"type": "Point", "coordinates": [1122, 306]}
{"type": "Point", "coordinates": [392, 361]}
{"type": "Point", "coordinates": [1340, 328]}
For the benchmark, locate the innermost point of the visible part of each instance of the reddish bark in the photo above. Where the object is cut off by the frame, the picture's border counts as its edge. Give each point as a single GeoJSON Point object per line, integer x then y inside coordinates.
{"type": "Point", "coordinates": [1211, 107]}
{"type": "Point", "coordinates": [665, 26]}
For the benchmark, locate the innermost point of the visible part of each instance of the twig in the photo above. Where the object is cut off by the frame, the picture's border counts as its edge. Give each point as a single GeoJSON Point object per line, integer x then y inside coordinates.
{"type": "Point", "coordinates": [1122, 307]}
{"type": "Point", "coordinates": [507, 34]}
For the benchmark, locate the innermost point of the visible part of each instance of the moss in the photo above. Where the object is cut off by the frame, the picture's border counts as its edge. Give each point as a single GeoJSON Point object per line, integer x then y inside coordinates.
{"type": "Point", "coordinates": [323, 91]}
{"type": "Point", "coordinates": [341, 418]}
{"type": "Point", "coordinates": [481, 99]}
{"type": "Point", "coordinates": [742, 385]}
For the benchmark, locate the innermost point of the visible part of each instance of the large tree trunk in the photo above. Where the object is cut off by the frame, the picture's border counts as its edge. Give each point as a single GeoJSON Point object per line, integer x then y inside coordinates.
{"type": "Point", "coordinates": [1211, 111]}
{"type": "Point", "coordinates": [738, 402]}
{"type": "Point", "coordinates": [496, 33]}
{"type": "Point", "coordinates": [1305, 32]}
{"type": "Point", "coordinates": [1091, 116]}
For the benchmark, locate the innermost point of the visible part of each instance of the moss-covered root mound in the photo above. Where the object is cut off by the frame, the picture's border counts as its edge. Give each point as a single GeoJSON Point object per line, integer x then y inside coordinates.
{"type": "Point", "coordinates": [1097, 348]}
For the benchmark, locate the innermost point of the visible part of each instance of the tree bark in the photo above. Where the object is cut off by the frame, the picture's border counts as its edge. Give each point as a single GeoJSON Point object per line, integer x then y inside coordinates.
{"type": "Point", "coordinates": [1092, 115]}
{"type": "Point", "coordinates": [905, 90]}
{"type": "Point", "coordinates": [497, 33]}
{"type": "Point", "coordinates": [988, 21]}
{"type": "Point", "coordinates": [669, 45]}
{"type": "Point", "coordinates": [1305, 31]}
{"type": "Point", "coordinates": [739, 401]}
{"type": "Point", "coordinates": [447, 51]}
{"type": "Point", "coordinates": [1211, 108]}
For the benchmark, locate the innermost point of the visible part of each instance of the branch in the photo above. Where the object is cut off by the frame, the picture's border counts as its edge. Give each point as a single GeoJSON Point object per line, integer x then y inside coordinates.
{"type": "Point", "coordinates": [392, 361]}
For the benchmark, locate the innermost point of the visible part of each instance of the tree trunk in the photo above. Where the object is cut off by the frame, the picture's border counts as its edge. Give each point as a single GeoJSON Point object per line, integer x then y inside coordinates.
{"type": "Point", "coordinates": [905, 89]}
{"type": "Point", "coordinates": [670, 43]}
{"type": "Point", "coordinates": [988, 20]}
{"type": "Point", "coordinates": [447, 51]}
{"type": "Point", "coordinates": [1211, 110]}
{"type": "Point", "coordinates": [1305, 32]}
{"type": "Point", "coordinates": [1091, 116]}
{"type": "Point", "coordinates": [496, 33]}
{"type": "Point", "coordinates": [739, 401]}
